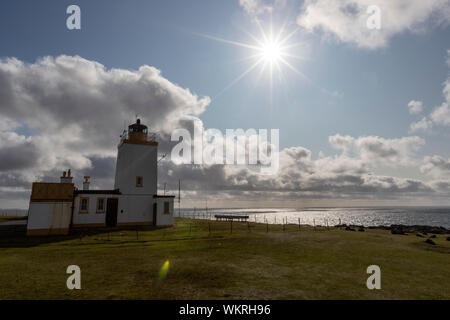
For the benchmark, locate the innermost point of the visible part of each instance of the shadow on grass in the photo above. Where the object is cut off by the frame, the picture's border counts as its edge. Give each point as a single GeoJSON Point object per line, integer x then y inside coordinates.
{"type": "Point", "coordinates": [435, 248]}
{"type": "Point", "coordinates": [14, 236]}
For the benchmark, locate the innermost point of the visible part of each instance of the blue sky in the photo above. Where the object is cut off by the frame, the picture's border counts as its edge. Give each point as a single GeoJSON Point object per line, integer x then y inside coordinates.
{"type": "Point", "coordinates": [352, 90]}
{"type": "Point", "coordinates": [376, 84]}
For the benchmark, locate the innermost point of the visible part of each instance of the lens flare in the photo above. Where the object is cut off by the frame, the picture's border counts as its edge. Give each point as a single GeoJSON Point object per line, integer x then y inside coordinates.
{"type": "Point", "coordinates": [164, 271]}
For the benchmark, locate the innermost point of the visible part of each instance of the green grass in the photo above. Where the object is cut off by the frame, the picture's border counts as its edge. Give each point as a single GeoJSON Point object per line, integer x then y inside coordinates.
{"type": "Point", "coordinates": [290, 264]}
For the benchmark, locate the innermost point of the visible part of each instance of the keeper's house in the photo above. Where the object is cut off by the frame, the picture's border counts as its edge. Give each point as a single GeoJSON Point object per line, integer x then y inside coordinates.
{"type": "Point", "coordinates": [55, 208]}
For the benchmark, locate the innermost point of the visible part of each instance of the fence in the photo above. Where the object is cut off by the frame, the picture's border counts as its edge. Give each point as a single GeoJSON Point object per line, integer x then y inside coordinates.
{"type": "Point", "coordinates": [185, 229]}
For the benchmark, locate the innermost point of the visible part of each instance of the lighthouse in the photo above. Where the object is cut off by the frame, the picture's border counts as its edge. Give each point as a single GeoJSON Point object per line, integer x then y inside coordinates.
{"type": "Point", "coordinates": [137, 180]}
{"type": "Point", "coordinates": [55, 208]}
{"type": "Point", "coordinates": [136, 167]}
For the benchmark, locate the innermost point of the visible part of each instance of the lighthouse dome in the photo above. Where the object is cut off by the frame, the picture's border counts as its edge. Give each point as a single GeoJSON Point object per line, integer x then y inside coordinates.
{"type": "Point", "coordinates": [137, 127]}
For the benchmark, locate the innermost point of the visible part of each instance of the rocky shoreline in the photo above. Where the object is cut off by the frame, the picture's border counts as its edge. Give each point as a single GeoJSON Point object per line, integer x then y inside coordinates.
{"type": "Point", "coordinates": [400, 229]}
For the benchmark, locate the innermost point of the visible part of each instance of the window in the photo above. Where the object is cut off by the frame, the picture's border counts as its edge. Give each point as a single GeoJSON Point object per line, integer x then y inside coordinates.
{"type": "Point", "coordinates": [100, 205]}
{"type": "Point", "coordinates": [84, 205]}
{"type": "Point", "coordinates": [166, 207]}
{"type": "Point", "coordinates": [139, 182]}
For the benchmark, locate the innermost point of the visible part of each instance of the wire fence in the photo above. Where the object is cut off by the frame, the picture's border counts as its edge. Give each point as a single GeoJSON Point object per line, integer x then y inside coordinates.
{"type": "Point", "coordinates": [185, 229]}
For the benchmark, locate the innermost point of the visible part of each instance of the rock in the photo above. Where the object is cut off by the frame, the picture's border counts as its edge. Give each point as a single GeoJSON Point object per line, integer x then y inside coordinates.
{"type": "Point", "coordinates": [349, 229]}
{"type": "Point", "coordinates": [433, 236]}
{"type": "Point", "coordinates": [448, 238]}
{"type": "Point", "coordinates": [425, 230]}
{"type": "Point", "coordinates": [397, 231]}
{"type": "Point", "coordinates": [361, 229]}
{"type": "Point", "coordinates": [429, 241]}
{"type": "Point", "coordinates": [419, 235]}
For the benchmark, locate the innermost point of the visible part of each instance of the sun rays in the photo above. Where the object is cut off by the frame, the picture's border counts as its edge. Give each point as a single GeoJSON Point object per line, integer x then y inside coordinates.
{"type": "Point", "coordinates": [270, 52]}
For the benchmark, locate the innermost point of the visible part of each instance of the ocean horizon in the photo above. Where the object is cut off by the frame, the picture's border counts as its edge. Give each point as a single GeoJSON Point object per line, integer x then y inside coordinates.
{"type": "Point", "coordinates": [366, 216]}
{"type": "Point", "coordinates": [438, 216]}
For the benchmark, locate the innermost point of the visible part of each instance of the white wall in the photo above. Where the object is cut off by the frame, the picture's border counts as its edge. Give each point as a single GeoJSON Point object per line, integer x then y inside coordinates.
{"type": "Point", "coordinates": [136, 160]}
{"type": "Point", "coordinates": [49, 215]}
{"type": "Point", "coordinates": [92, 217]}
{"type": "Point", "coordinates": [139, 209]}
{"type": "Point", "coordinates": [134, 208]}
{"type": "Point", "coordinates": [163, 219]}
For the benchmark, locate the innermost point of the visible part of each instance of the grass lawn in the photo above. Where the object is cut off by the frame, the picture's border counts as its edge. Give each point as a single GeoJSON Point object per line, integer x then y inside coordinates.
{"type": "Point", "coordinates": [244, 264]}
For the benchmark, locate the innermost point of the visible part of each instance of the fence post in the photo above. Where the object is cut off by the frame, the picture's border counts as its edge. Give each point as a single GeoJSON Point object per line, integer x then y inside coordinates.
{"type": "Point", "coordinates": [314, 223]}
{"type": "Point", "coordinates": [299, 224]}
{"type": "Point", "coordinates": [231, 226]}
{"type": "Point", "coordinates": [267, 226]}
{"type": "Point", "coordinates": [209, 227]}
{"type": "Point", "coordinates": [248, 227]}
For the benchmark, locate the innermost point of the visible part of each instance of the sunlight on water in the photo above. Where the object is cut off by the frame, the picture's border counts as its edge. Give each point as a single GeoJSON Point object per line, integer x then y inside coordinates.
{"type": "Point", "coordinates": [367, 216]}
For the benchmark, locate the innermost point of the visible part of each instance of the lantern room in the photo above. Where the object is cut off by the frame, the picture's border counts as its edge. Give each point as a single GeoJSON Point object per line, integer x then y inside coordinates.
{"type": "Point", "coordinates": [137, 132]}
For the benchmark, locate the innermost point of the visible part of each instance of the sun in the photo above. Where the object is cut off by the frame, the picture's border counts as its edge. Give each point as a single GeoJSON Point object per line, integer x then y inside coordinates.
{"type": "Point", "coordinates": [271, 51]}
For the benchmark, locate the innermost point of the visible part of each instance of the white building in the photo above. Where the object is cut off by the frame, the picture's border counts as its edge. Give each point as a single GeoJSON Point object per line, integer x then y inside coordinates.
{"type": "Point", "coordinates": [57, 207]}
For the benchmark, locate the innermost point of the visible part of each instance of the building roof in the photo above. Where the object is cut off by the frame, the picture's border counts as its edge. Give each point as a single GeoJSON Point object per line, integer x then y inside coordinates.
{"type": "Point", "coordinates": [52, 192]}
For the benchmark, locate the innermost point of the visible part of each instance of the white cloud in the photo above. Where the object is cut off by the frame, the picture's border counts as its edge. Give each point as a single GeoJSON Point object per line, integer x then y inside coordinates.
{"type": "Point", "coordinates": [8, 124]}
{"type": "Point", "coordinates": [75, 109]}
{"type": "Point", "coordinates": [257, 7]}
{"type": "Point", "coordinates": [436, 166]}
{"type": "Point", "coordinates": [415, 107]}
{"type": "Point", "coordinates": [346, 174]}
{"type": "Point", "coordinates": [254, 6]}
{"type": "Point", "coordinates": [448, 57]}
{"type": "Point", "coordinates": [377, 150]}
{"type": "Point", "coordinates": [440, 115]}
{"type": "Point", "coordinates": [346, 20]}
{"type": "Point", "coordinates": [422, 125]}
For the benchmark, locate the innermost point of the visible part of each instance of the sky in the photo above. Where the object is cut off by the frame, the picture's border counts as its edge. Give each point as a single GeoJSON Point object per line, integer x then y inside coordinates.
{"type": "Point", "coordinates": [363, 113]}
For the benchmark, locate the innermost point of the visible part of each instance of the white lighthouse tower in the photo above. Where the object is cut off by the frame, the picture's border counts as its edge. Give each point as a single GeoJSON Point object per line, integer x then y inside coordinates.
{"type": "Point", "coordinates": [136, 168]}
{"type": "Point", "coordinates": [137, 180]}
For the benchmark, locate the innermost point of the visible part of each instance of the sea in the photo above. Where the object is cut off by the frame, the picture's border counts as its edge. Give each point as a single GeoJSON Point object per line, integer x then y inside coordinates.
{"type": "Point", "coordinates": [366, 216]}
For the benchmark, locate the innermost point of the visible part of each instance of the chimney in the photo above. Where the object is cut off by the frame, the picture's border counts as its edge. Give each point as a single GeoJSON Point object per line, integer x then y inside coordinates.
{"type": "Point", "coordinates": [66, 177]}
{"type": "Point", "coordinates": [86, 183]}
